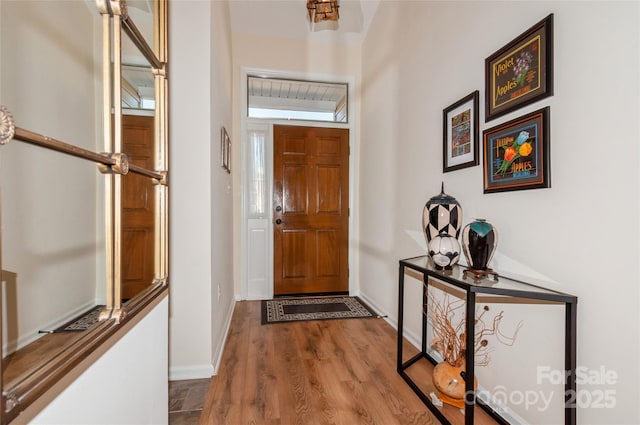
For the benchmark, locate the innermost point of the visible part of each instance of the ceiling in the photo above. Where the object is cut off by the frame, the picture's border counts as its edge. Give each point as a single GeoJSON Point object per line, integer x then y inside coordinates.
{"type": "Point", "coordinates": [296, 99]}
{"type": "Point", "coordinates": [267, 18]}
{"type": "Point", "coordinates": [269, 92]}
{"type": "Point", "coordinates": [290, 19]}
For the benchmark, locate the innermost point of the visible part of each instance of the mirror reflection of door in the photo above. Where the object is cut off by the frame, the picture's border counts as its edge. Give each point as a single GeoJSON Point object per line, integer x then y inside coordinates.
{"type": "Point", "coordinates": [311, 210]}
{"type": "Point", "coordinates": [137, 206]}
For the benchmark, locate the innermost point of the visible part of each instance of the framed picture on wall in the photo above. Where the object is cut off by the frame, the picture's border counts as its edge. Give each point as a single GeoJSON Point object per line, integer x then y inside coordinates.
{"type": "Point", "coordinates": [516, 154]}
{"type": "Point", "coordinates": [225, 150]}
{"type": "Point", "coordinates": [520, 72]}
{"type": "Point", "coordinates": [460, 134]}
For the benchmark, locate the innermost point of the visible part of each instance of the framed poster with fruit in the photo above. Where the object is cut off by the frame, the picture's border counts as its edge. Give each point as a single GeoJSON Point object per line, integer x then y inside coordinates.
{"type": "Point", "coordinates": [516, 154]}
{"type": "Point", "coordinates": [520, 72]}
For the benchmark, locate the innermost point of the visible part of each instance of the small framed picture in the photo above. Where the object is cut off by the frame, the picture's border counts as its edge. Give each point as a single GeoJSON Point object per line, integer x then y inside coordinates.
{"type": "Point", "coordinates": [521, 72]}
{"type": "Point", "coordinates": [460, 134]}
{"type": "Point", "coordinates": [516, 154]}
{"type": "Point", "coordinates": [225, 150]}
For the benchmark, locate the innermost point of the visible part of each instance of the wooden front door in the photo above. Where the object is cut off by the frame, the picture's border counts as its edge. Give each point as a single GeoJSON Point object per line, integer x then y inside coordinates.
{"type": "Point", "coordinates": [311, 210]}
{"type": "Point", "coordinates": [137, 207]}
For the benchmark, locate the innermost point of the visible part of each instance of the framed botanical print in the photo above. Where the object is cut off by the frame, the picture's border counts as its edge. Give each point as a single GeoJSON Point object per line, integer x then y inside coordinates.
{"type": "Point", "coordinates": [460, 134]}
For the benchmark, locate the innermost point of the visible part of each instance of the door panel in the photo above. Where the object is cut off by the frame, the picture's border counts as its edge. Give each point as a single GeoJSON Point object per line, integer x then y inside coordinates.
{"type": "Point", "coordinates": [327, 265]}
{"type": "Point", "coordinates": [137, 207]}
{"type": "Point", "coordinates": [296, 183]}
{"type": "Point", "coordinates": [294, 244]}
{"type": "Point", "coordinates": [310, 210]}
{"type": "Point", "coordinates": [328, 194]}
{"type": "Point", "coordinates": [137, 244]}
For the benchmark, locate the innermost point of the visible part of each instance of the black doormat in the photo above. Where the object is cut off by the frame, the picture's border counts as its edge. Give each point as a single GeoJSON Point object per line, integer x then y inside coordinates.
{"type": "Point", "coordinates": [82, 322]}
{"type": "Point", "coordinates": [327, 308]}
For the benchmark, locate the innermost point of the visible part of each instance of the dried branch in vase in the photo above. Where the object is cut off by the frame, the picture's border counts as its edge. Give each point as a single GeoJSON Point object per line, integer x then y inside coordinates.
{"type": "Point", "coordinates": [450, 339]}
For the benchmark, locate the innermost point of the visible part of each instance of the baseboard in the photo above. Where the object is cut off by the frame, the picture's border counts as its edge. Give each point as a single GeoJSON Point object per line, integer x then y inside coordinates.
{"type": "Point", "coordinates": [410, 336]}
{"type": "Point", "coordinates": [217, 357]}
{"type": "Point", "coordinates": [190, 372]}
{"type": "Point", "coordinates": [373, 305]}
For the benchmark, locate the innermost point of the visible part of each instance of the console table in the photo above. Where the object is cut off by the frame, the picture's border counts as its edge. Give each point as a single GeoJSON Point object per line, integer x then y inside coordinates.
{"type": "Point", "coordinates": [471, 286]}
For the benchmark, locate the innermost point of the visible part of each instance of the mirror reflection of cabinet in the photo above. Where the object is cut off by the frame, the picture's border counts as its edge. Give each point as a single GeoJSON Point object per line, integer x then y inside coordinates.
{"type": "Point", "coordinates": [68, 242]}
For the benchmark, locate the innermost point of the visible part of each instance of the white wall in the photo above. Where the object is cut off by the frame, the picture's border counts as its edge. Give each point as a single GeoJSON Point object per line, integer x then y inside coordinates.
{"type": "Point", "coordinates": [127, 385]}
{"type": "Point", "coordinates": [580, 236]}
{"type": "Point", "coordinates": [200, 197]}
{"type": "Point", "coordinates": [222, 294]}
{"type": "Point", "coordinates": [190, 229]}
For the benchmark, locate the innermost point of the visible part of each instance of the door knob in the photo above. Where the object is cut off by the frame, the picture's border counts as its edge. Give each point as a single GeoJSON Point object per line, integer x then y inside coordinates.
{"type": "Point", "coordinates": [278, 221]}
{"type": "Point", "coordinates": [278, 208]}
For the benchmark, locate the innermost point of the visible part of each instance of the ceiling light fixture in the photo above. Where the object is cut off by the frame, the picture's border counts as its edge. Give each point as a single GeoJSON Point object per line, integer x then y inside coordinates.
{"type": "Point", "coordinates": [323, 10]}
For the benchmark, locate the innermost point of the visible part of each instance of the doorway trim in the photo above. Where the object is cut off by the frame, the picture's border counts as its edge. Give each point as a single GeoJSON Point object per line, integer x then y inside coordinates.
{"type": "Point", "coordinates": [246, 124]}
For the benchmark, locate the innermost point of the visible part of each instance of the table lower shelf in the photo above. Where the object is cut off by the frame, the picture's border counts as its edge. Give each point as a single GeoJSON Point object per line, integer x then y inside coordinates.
{"type": "Point", "coordinates": [418, 376]}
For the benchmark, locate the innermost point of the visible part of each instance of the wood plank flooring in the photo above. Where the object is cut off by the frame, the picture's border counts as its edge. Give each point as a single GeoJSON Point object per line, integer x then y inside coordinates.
{"type": "Point", "coordinates": [318, 372]}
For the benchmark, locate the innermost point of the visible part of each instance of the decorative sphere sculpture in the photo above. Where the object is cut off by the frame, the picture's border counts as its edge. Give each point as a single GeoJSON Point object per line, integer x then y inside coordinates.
{"type": "Point", "coordinates": [444, 250]}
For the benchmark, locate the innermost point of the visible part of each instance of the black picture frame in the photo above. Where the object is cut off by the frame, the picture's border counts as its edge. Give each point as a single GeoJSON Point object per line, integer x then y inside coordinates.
{"type": "Point", "coordinates": [516, 154]}
{"type": "Point", "coordinates": [521, 72]}
{"type": "Point", "coordinates": [460, 133]}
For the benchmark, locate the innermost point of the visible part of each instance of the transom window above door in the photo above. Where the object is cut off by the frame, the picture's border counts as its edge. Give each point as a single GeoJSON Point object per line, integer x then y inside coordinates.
{"type": "Point", "coordinates": [277, 98]}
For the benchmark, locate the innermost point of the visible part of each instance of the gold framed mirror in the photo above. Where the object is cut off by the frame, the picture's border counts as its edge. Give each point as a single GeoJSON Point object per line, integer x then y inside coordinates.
{"type": "Point", "coordinates": [64, 235]}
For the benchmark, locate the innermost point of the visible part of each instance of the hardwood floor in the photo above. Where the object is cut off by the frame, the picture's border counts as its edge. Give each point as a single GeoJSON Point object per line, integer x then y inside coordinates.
{"type": "Point", "coordinates": [318, 372]}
